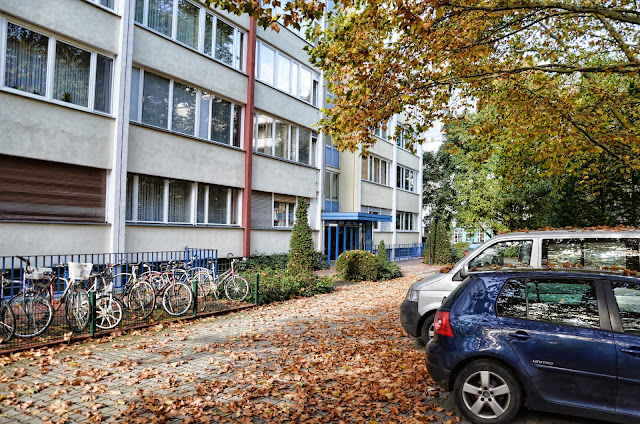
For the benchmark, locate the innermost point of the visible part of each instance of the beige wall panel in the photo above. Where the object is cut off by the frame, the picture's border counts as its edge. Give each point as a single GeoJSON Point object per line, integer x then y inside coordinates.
{"type": "Point", "coordinates": [408, 202]}
{"type": "Point", "coordinates": [52, 239]}
{"type": "Point", "coordinates": [387, 237]}
{"type": "Point", "coordinates": [276, 176]}
{"type": "Point", "coordinates": [408, 160]}
{"type": "Point", "coordinates": [273, 241]}
{"type": "Point", "coordinates": [377, 195]}
{"type": "Point", "coordinates": [407, 238]}
{"type": "Point", "coordinates": [165, 56]}
{"type": "Point", "coordinates": [288, 43]}
{"type": "Point", "coordinates": [141, 238]}
{"type": "Point", "coordinates": [383, 149]}
{"type": "Point", "coordinates": [73, 19]}
{"type": "Point", "coordinates": [161, 153]}
{"type": "Point", "coordinates": [349, 182]}
{"type": "Point", "coordinates": [281, 105]}
{"type": "Point", "coordinates": [43, 130]}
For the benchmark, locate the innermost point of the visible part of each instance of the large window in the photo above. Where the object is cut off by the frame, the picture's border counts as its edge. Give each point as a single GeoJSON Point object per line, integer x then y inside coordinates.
{"type": "Point", "coordinates": [154, 99]}
{"type": "Point", "coordinates": [193, 26]}
{"type": "Point", "coordinates": [272, 210]}
{"type": "Point", "coordinates": [75, 75]}
{"type": "Point", "coordinates": [280, 139]}
{"type": "Point", "coordinates": [280, 71]}
{"type": "Point", "coordinates": [331, 191]}
{"type": "Point", "coordinates": [516, 253]}
{"type": "Point", "coordinates": [406, 179]}
{"type": "Point", "coordinates": [592, 253]}
{"type": "Point", "coordinates": [406, 221]}
{"type": "Point", "coordinates": [403, 139]}
{"type": "Point", "coordinates": [283, 213]}
{"type": "Point", "coordinates": [375, 170]}
{"type": "Point", "coordinates": [37, 190]}
{"type": "Point", "coordinates": [162, 200]}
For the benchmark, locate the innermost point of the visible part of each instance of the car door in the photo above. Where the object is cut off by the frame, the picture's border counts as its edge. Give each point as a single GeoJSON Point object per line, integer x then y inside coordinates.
{"type": "Point", "coordinates": [561, 334]}
{"type": "Point", "coordinates": [624, 301]}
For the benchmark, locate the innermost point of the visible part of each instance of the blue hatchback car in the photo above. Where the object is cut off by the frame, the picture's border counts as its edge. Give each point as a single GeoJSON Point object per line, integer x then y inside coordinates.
{"type": "Point", "coordinates": [566, 342]}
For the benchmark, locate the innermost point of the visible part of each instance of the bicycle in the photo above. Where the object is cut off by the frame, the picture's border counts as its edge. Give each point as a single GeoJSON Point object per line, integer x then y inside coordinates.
{"type": "Point", "coordinates": [108, 307]}
{"type": "Point", "coordinates": [33, 306]}
{"type": "Point", "coordinates": [236, 288]}
{"type": "Point", "coordinates": [177, 296]}
{"type": "Point", "coordinates": [138, 294]}
{"type": "Point", "coordinates": [7, 319]}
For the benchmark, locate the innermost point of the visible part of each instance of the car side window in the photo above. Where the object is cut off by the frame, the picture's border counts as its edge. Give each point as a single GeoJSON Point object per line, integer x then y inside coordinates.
{"type": "Point", "coordinates": [627, 297]}
{"type": "Point", "coordinates": [512, 253]}
{"type": "Point", "coordinates": [512, 300]}
{"type": "Point", "coordinates": [473, 300]}
{"type": "Point", "coordinates": [601, 253]}
{"type": "Point", "coordinates": [566, 302]}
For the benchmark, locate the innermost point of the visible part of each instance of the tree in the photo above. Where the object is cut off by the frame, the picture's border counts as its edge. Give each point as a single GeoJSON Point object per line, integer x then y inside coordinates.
{"type": "Point", "coordinates": [442, 244]}
{"type": "Point", "coordinates": [301, 250]}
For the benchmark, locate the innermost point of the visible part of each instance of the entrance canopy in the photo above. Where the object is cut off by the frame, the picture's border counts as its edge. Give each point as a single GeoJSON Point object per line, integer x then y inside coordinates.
{"type": "Point", "coordinates": [349, 231]}
{"type": "Point", "coordinates": [355, 216]}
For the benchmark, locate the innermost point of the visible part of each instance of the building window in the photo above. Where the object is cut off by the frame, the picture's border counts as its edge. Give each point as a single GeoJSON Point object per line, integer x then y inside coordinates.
{"type": "Point", "coordinates": [331, 191]}
{"type": "Point", "coordinates": [220, 40]}
{"type": "Point", "coordinates": [406, 221]}
{"type": "Point", "coordinates": [161, 200]}
{"type": "Point", "coordinates": [406, 179]}
{"type": "Point", "coordinates": [105, 3]}
{"type": "Point", "coordinates": [375, 170]}
{"type": "Point", "coordinates": [283, 214]}
{"type": "Point", "coordinates": [73, 72]}
{"type": "Point", "coordinates": [277, 138]}
{"type": "Point", "coordinates": [403, 139]}
{"type": "Point", "coordinates": [458, 235]}
{"type": "Point", "coordinates": [37, 190]}
{"type": "Point", "coordinates": [280, 71]}
{"type": "Point", "coordinates": [382, 131]}
{"type": "Point", "coordinates": [219, 120]}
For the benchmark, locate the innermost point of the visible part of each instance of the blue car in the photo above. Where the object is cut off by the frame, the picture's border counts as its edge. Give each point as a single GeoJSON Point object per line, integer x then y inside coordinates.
{"type": "Point", "coordinates": [565, 342]}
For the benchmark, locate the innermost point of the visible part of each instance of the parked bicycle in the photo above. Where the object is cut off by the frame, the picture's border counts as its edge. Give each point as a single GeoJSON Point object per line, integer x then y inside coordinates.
{"type": "Point", "coordinates": [7, 319]}
{"type": "Point", "coordinates": [236, 288]}
{"type": "Point", "coordinates": [108, 308]}
{"type": "Point", "coordinates": [138, 294]}
{"type": "Point", "coordinates": [33, 305]}
{"type": "Point", "coordinates": [177, 296]}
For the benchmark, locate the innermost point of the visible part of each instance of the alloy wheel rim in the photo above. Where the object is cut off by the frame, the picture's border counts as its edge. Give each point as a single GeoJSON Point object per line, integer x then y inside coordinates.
{"type": "Point", "coordinates": [486, 394]}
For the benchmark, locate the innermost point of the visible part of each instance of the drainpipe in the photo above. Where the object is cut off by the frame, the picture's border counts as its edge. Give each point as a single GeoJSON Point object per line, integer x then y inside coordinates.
{"type": "Point", "coordinates": [248, 139]}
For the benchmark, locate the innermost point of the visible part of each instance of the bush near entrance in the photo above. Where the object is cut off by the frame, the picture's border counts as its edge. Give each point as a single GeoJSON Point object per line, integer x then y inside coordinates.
{"type": "Point", "coordinates": [361, 265]}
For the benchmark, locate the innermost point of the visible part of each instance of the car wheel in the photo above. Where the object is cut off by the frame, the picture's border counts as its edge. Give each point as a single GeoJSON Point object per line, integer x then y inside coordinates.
{"type": "Point", "coordinates": [487, 393]}
{"type": "Point", "coordinates": [428, 330]}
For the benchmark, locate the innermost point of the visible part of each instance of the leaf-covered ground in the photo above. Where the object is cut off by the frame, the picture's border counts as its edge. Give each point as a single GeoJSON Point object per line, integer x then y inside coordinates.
{"type": "Point", "coordinates": [340, 357]}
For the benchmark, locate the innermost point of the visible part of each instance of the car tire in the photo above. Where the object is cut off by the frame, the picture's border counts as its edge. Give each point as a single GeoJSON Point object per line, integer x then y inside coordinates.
{"type": "Point", "coordinates": [427, 331]}
{"type": "Point", "coordinates": [487, 393]}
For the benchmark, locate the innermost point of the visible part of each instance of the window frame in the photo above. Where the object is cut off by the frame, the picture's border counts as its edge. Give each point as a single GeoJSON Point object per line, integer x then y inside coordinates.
{"type": "Point", "coordinates": [401, 222]}
{"type": "Point", "coordinates": [288, 213]}
{"type": "Point", "coordinates": [370, 160]}
{"type": "Point", "coordinates": [293, 142]}
{"type": "Point", "coordinates": [48, 96]}
{"type": "Point", "coordinates": [402, 172]}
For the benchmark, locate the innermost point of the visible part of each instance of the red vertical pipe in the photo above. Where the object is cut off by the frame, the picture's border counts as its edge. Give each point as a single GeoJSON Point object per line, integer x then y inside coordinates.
{"type": "Point", "coordinates": [248, 139]}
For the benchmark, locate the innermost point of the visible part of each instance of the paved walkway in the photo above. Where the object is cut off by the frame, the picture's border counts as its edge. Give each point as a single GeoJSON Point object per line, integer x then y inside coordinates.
{"type": "Point", "coordinates": [340, 357]}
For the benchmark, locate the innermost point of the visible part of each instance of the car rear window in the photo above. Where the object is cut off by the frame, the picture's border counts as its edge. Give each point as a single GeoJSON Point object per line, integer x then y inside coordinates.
{"type": "Point", "coordinates": [592, 253]}
{"type": "Point", "coordinates": [448, 302]}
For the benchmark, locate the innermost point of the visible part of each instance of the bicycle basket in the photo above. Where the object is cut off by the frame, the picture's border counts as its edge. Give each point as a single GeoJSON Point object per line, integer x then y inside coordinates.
{"type": "Point", "coordinates": [37, 273]}
{"type": "Point", "coordinates": [79, 270]}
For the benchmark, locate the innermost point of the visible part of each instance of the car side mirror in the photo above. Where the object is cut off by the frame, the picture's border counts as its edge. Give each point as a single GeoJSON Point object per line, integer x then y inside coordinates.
{"type": "Point", "coordinates": [464, 271]}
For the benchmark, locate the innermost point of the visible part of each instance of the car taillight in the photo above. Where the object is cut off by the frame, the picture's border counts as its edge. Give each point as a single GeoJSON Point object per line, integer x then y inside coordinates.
{"type": "Point", "coordinates": [442, 325]}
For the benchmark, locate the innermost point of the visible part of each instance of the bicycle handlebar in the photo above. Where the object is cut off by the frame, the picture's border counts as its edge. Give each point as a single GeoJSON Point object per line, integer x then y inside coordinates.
{"type": "Point", "coordinates": [25, 260]}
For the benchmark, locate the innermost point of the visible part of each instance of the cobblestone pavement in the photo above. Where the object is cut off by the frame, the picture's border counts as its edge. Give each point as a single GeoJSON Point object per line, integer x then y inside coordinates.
{"type": "Point", "coordinates": [145, 374]}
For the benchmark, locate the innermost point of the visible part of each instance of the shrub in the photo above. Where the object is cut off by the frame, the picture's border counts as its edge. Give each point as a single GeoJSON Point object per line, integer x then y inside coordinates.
{"type": "Point", "coordinates": [358, 265]}
{"type": "Point", "coordinates": [442, 250]}
{"type": "Point", "coordinates": [388, 270]}
{"type": "Point", "coordinates": [301, 251]}
{"type": "Point", "coordinates": [276, 261]}
{"type": "Point", "coordinates": [458, 249]}
{"type": "Point", "coordinates": [279, 285]}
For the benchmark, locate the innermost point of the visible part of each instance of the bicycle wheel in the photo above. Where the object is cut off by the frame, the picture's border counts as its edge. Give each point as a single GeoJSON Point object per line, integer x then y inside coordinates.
{"type": "Point", "coordinates": [141, 299]}
{"type": "Point", "coordinates": [77, 309]}
{"type": "Point", "coordinates": [203, 283]}
{"type": "Point", "coordinates": [236, 288]}
{"type": "Point", "coordinates": [33, 314]}
{"type": "Point", "coordinates": [177, 298]}
{"type": "Point", "coordinates": [108, 311]}
{"type": "Point", "coordinates": [7, 322]}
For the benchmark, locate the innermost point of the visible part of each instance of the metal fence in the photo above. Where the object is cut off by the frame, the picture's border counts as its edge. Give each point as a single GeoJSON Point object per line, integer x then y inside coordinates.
{"type": "Point", "coordinates": [403, 251]}
{"type": "Point", "coordinates": [59, 330]}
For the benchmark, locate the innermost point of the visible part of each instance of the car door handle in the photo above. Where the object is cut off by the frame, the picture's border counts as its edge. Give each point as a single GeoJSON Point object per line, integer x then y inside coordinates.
{"type": "Point", "coordinates": [632, 350]}
{"type": "Point", "coordinates": [520, 335]}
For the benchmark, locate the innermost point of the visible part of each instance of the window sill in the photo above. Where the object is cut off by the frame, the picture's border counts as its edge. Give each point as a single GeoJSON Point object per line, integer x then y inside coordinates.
{"type": "Point", "coordinates": [53, 102]}
{"type": "Point", "coordinates": [105, 8]}
{"type": "Point", "coordinates": [288, 94]}
{"type": "Point", "coordinates": [378, 184]}
{"type": "Point", "coordinates": [24, 221]}
{"type": "Point", "coordinates": [180, 225]}
{"type": "Point", "coordinates": [285, 160]}
{"type": "Point", "coordinates": [192, 137]}
{"type": "Point", "coordinates": [407, 191]}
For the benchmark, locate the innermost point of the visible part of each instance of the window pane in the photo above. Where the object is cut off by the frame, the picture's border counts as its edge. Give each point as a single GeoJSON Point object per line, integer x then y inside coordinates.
{"type": "Point", "coordinates": [568, 252]}
{"type": "Point", "coordinates": [160, 16]}
{"type": "Point", "coordinates": [205, 101]}
{"type": "Point", "coordinates": [282, 139]}
{"type": "Point", "coordinates": [26, 60]}
{"type": "Point", "coordinates": [517, 253]}
{"type": "Point", "coordinates": [179, 201]}
{"type": "Point", "coordinates": [128, 212]}
{"type": "Point", "coordinates": [335, 188]}
{"type": "Point", "coordinates": [221, 121]}
{"type": "Point", "coordinates": [150, 199]}
{"type": "Point", "coordinates": [265, 134]}
{"type": "Point", "coordinates": [155, 100]}
{"type": "Point", "coordinates": [383, 172]}
{"type": "Point", "coordinates": [327, 185]}
{"type": "Point", "coordinates": [605, 253]}
{"type": "Point", "coordinates": [398, 220]}
{"type": "Point", "coordinates": [239, 50]}
{"type": "Point", "coordinates": [314, 149]}
{"type": "Point", "coordinates": [267, 60]}
{"type": "Point", "coordinates": [237, 121]}
{"type": "Point", "coordinates": [71, 81]}
{"type": "Point", "coordinates": [293, 148]}
{"type": "Point", "coordinates": [184, 109]}
{"type": "Point", "coordinates": [365, 168]}
{"type": "Point", "coordinates": [628, 299]}
{"type": "Point", "coordinates": [283, 73]}
{"type": "Point", "coordinates": [305, 84]}
{"type": "Point", "coordinates": [294, 79]}
{"type": "Point", "coordinates": [511, 301]}
{"type": "Point", "coordinates": [202, 189]}
{"type": "Point", "coordinates": [280, 214]}
{"type": "Point", "coordinates": [135, 98]}
{"type": "Point", "coordinates": [399, 177]}
{"type": "Point", "coordinates": [139, 11]}
{"type": "Point", "coordinates": [303, 145]}
{"type": "Point", "coordinates": [188, 19]}
{"type": "Point", "coordinates": [563, 302]}
{"type": "Point", "coordinates": [224, 42]}
{"type": "Point", "coordinates": [290, 214]}
{"type": "Point", "coordinates": [218, 205]}
{"type": "Point", "coordinates": [208, 34]}
{"type": "Point", "coordinates": [376, 170]}
{"type": "Point", "coordinates": [102, 99]}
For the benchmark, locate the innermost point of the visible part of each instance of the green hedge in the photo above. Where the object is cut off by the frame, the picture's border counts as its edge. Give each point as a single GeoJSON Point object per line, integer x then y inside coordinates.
{"type": "Point", "coordinates": [276, 261]}
{"type": "Point", "coordinates": [458, 249]}
{"type": "Point", "coordinates": [280, 284]}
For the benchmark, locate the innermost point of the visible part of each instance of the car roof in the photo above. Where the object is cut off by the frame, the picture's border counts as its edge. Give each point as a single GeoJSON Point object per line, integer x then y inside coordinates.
{"type": "Point", "coordinates": [591, 232]}
{"type": "Point", "coordinates": [555, 273]}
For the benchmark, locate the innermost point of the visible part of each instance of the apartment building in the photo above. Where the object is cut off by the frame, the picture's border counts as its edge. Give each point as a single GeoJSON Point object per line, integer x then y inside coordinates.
{"type": "Point", "coordinates": [152, 125]}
